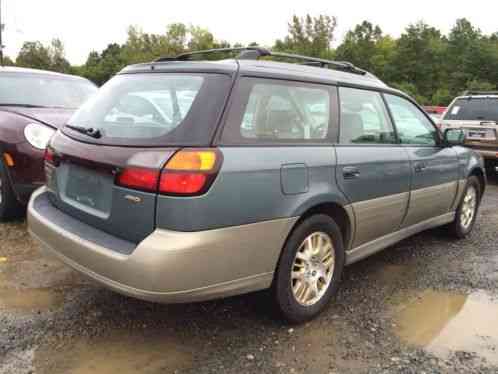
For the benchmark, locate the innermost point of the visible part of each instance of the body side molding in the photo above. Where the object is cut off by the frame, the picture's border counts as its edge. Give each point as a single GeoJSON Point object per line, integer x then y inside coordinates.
{"type": "Point", "coordinates": [379, 244]}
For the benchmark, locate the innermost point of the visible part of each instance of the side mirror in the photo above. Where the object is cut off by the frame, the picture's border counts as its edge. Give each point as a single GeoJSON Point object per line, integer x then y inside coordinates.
{"type": "Point", "coordinates": [454, 137]}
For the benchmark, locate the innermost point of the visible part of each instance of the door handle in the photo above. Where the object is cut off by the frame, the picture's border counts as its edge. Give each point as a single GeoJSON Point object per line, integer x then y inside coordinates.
{"type": "Point", "coordinates": [420, 167]}
{"type": "Point", "coordinates": [350, 172]}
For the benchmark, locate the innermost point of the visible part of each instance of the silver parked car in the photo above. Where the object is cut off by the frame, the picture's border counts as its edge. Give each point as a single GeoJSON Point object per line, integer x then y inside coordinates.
{"type": "Point", "coordinates": [476, 112]}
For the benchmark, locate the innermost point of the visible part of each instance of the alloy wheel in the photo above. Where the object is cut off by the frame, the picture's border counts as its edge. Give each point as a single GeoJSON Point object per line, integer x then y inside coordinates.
{"type": "Point", "coordinates": [313, 269]}
{"type": "Point", "coordinates": [468, 207]}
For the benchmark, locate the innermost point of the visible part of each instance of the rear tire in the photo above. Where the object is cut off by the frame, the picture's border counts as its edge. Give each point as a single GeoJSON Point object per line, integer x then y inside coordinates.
{"type": "Point", "coordinates": [491, 170]}
{"type": "Point", "coordinates": [466, 212]}
{"type": "Point", "coordinates": [309, 270]}
{"type": "Point", "coordinates": [9, 206]}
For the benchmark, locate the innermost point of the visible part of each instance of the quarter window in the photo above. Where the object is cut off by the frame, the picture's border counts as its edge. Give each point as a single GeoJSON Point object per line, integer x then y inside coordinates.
{"type": "Point", "coordinates": [278, 112]}
{"type": "Point", "coordinates": [364, 119]}
{"type": "Point", "coordinates": [412, 125]}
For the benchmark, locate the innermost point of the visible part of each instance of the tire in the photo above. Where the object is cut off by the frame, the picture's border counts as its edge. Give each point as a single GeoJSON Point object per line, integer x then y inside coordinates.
{"type": "Point", "coordinates": [288, 290]}
{"type": "Point", "coordinates": [463, 224]}
{"type": "Point", "coordinates": [491, 169]}
{"type": "Point", "coordinates": [9, 206]}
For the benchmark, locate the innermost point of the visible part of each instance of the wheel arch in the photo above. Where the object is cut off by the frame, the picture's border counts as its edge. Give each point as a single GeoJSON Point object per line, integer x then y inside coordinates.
{"type": "Point", "coordinates": [481, 176]}
{"type": "Point", "coordinates": [341, 213]}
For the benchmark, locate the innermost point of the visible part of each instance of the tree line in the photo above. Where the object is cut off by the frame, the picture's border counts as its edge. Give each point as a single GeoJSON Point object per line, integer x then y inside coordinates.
{"type": "Point", "coordinates": [425, 63]}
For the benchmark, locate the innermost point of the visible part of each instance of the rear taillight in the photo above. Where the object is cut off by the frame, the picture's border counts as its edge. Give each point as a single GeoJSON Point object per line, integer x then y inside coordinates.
{"type": "Point", "coordinates": [139, 179]}
{"type": "Point", "coordinates": [50, 156]}
{"type": "Point", "coordinates": [189, 172]}
{"type": "Point", "coordinates": [182, 183]}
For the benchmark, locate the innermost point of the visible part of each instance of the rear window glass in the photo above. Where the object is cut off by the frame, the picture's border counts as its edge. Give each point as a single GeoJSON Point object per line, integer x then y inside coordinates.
{"type": "Point", "coordinates": [43, 90]}
{"type": "Point", "coordinates": [478, 109]}
{"type": "Point", "coordinates": [148, 109]}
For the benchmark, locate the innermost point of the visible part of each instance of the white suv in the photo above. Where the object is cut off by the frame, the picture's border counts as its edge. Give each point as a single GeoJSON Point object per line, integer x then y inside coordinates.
{"type": "Point", "coordinates": [477, 113]}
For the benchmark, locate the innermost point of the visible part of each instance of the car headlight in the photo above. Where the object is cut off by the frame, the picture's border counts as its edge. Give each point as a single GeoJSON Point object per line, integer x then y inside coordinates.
{"type": "Point", "coordinates": [38, 135]}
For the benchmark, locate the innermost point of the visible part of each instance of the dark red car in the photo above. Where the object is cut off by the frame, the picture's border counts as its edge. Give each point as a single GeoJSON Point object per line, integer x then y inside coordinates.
{"type": "Point", "coordinates": [33, 105]}
{"type": "Point", "coordinates": [436, 112]}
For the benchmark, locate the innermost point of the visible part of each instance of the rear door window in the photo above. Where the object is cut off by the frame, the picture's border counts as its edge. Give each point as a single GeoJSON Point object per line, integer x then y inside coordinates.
{"type": "Point", "coordinates": [271, 111]}
{"type": "Point", "coordinates": [364, 119]}
{"type": "Point", "coordinates": [476, 109]}
{"type": "Point", "coordinates": [155, 109]}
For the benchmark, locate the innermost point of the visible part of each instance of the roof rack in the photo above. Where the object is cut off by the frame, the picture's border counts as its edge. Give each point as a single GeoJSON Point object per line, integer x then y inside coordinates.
{"type": "Point", "coordinates": [255, 52]}
{"type": "Point", "coordinates": [480, 93]}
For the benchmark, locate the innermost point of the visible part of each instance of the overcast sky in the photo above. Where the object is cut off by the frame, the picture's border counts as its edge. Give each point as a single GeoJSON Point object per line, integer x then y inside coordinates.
{"type": "Point", "coordinates": [91, 24]}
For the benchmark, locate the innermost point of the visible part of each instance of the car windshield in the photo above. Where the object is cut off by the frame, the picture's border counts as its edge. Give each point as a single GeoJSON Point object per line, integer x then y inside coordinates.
{"type": "Point", "coordinates": [476, 109]}
{"type": "Point", "coordinates": [147, 109]}
{"type": "Point", "coordinates": [43, 90]}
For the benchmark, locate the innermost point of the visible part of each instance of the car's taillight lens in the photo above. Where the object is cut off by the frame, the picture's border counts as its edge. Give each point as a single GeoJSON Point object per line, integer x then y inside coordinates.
{"type": "Point", "coordinates": [182, 183]}
{"type": "Point", "coordinates": [139, 178]}
{"type": "Point", "coordinates": [49, 156]}
{"type": "Point", "coordinates": [190, 172]}
{"type": "Point", "coordinates": [192, 161]}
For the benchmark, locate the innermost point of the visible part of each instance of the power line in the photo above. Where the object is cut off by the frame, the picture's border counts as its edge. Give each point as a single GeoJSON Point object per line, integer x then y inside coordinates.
{"type": "Point", "coordinates": [1, 30]}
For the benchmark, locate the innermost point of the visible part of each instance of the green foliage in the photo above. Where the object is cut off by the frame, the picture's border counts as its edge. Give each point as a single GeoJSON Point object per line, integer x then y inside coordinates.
{"type": "Point", "coordinates": [424, 63]}
{"type": "Point", "coordinates": [7, 61]}
{"type": "Point", "coordinates": [420, 58]}
{"type": "Point", "coordinates": [143, 47]}
{"type": "Point", "coordinates": [309, 36]}
{"type": "Point", "coordinates": [430, 66]}
{"type": "Point", "coordinates": [412, 90]}
{"type": "Point", "coordinates": [442, 97]}
{"type": "Point", "coordinates": [361, 46]}
{"type": "Point", "coordinates": [35, 55]}
{"type": "Point", "coordinates": [477, 85]}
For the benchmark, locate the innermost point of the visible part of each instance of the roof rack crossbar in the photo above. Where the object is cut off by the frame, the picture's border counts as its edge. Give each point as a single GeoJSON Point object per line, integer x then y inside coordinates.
{"type": "Point", "coordinates": [258, 51]}
{"type": "Point", "coordinates": [342, 65]}
{"type": "Point", "coordinates": [255, 52]}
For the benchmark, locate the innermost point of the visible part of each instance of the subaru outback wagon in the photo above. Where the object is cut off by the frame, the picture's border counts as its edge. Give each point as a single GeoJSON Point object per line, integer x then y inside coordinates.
{"type": "Point", "coordinates": [191, 180]}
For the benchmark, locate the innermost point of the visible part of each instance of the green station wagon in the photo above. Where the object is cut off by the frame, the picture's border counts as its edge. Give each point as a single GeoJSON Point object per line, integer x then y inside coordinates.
{"type": "Point", "coordinates": [186, 180]}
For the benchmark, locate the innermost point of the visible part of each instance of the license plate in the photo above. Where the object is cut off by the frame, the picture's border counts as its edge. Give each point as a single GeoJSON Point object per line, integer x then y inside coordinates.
{"type": "Point", "coordinates": [477, 134]}
{"type": "Point", "coordinates": [481, 135]}
{"type": "Point", "coordinates": [83, 188]}
{"type": "Point", "coordinates": [88, 188]}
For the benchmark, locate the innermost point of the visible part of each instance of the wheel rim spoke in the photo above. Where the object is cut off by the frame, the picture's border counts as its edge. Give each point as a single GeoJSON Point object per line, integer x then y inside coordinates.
{"type": "Point", "coordinates": [469, 206]}
{"type": "Point", "coordinates": [312, 270]}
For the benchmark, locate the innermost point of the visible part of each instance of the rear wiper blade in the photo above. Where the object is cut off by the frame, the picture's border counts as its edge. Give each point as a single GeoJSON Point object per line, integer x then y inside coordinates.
{"type": "Point", "coordinates": [90, 131]}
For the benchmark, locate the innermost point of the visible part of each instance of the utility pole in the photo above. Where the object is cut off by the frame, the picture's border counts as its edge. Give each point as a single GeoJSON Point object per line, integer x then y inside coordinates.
{"type": "Point", "coordinates": [1, 30]}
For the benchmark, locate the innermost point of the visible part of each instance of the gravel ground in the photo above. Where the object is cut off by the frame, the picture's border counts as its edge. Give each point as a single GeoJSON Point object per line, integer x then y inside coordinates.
{"type": "Point", "coordinates": [426, 305]}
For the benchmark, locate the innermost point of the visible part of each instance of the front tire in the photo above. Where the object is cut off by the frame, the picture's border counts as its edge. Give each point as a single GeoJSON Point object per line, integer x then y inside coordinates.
{"type": "Point", "coordinates": [466, 213]}
{"type": "Point", "coordinates": [310, 269]}
{"type": "Point", "coordinates": [9, 206]}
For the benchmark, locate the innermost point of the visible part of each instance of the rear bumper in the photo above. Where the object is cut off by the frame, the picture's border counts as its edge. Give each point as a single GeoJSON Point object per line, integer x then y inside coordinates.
{"type": "Point", "coordinates": [486, 153]}
{"type": "Point", "coordinates": [170, 266]}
